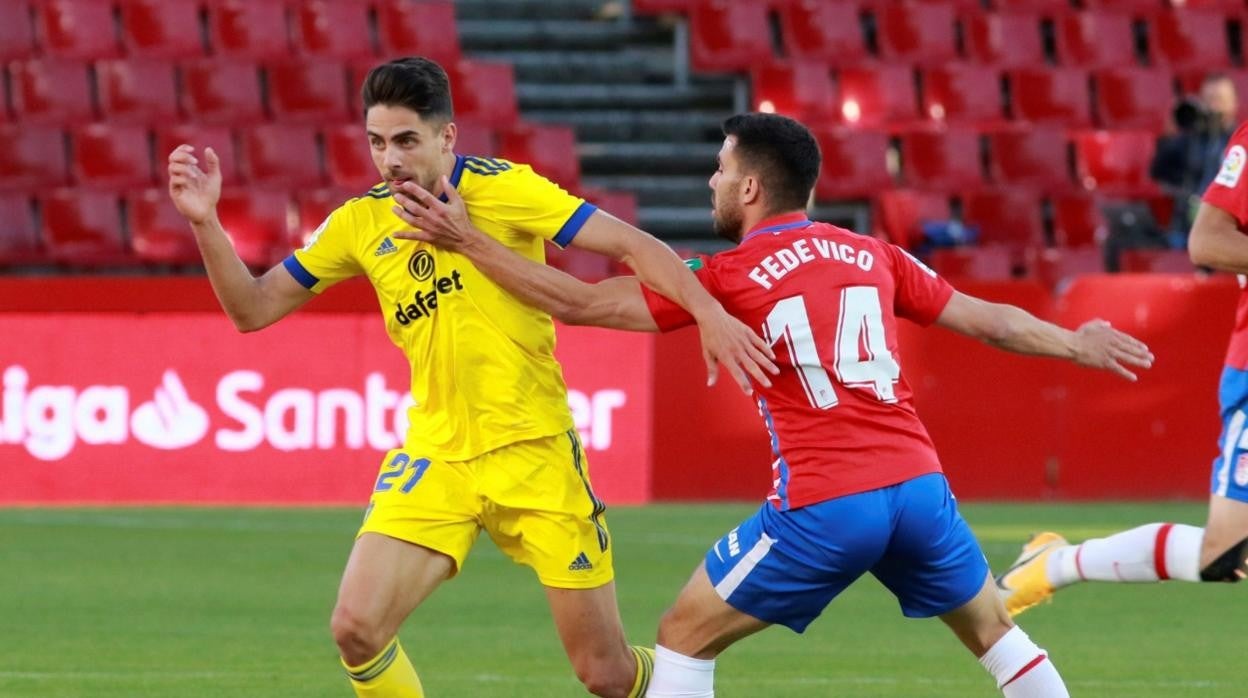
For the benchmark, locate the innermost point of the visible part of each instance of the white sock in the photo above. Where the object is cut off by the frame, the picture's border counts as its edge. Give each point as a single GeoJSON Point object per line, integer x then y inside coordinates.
{"type": "Point", "coordinates": [1131, 556]}
{"type": "Point", "coordinates": [1021, 669]}
{"type": "Point", "coordinates": [678, 676]}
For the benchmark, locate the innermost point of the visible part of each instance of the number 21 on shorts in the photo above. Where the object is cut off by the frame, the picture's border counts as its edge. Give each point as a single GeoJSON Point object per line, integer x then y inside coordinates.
{"type": "Point", "coordinates": [860, 324]}
{"type": "Point", "coordinates": [398, 465]}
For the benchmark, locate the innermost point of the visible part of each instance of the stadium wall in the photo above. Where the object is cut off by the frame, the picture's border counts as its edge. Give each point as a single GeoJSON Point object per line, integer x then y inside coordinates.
{"type": "Point", "coordinates": [137, 390]}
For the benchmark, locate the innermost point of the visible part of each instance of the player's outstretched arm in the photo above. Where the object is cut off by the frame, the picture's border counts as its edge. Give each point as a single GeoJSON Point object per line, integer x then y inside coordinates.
{"type": "Point", "coordinates": [1216, 242]}
{"type": "Point", "coordinates": [251, 303]}
{"type": "Point", "coordinates": [1095, 344]}
{"type": "Point", "coordinates": [725, 339]}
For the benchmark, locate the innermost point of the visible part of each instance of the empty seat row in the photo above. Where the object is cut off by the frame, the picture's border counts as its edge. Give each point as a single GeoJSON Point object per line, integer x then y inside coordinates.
{"type": "Point", "coordinates": [60, 91]}
{"type": "Point", "coordinates": [857, 163]}
{"type": "Point", "coordinates": [724, 34]}
{"type": "Point", "coordinates": [118, 157]}
{"type": "Point", "coordinates": [252, 29]}
{"type": "Point", "coordinates": [962, 93]}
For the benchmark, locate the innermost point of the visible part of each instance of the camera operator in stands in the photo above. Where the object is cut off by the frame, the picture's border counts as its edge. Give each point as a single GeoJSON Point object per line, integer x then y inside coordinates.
{"type": "Point", "coordinates": [1187, 160]}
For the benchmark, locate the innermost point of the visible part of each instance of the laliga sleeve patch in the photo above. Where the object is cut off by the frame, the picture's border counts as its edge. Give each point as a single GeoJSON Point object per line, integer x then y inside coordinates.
{"type": "Point", "coordinates": [1232, 167]}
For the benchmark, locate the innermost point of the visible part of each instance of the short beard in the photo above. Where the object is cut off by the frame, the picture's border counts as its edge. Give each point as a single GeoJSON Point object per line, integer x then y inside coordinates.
{"type": "Point", "coordinates": [728, 225]}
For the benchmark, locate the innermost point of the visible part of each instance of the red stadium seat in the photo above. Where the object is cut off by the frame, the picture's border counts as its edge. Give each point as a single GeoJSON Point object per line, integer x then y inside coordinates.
{"type": "Point", "coordinates": [916, 32]}
{"type": "Point", "coordinates": [111, 156]}
{"type": "Point", "coordinates": [485, 92]}
{"type": "Point", "coordinates": [963, 93]}
{"type": "Point", "coordinates": [1092, 40]}
{"type": "Point", "coordinates": [1077, 221]}
{"type": "Point", "coordinates": [1115, 161]}
{"type": "Point", "coordinates": [256, 221]}
{"type": "Point", "coordinates": [418, 28]}
{"type": "Point", "coordinates": [17, 38]}
{"type": "Point", "coordinates": [1045, 6]}
{"type": "Point", "coordinates": [348, 158]}
{"type": "Point", "coordinates": [942, 160]}
{"type": "Point", "coordinates": [158, 233]}
{"type": "Point", "coordinates": [1224, 5]}
{"type": "Point", "coordinates": [901, 214]}
{"type": "Point", "coordinates": [161, 28]}
{"type": "Point", "coordinates": [621, 204]}
{"type": "Point", "coordinates": [1037, 158]}
{"type": "Point", "coordinates": [254, 29]}
{"type": "Point", "coordinates": [308, 91]}
{"type": "Point", "coordinates": [877, 96]}
{"type": "Point", "coordinates": [314, 206]}
{"type": "Point", "coordinates": [1134, 98]}
{"type": "Point", "coordinates": [1051, 96]}
{"type": "Point", "coordinates": [83, 227]}
{"type": "Point", "coordinates": [1006, 40]}
{"type": "Point", "coordinates": [656, 7]}
{"type": "Point", "coordinates": [583, 264]}
{"type": "Point", "coordinates": [222, 92]}
{"type": "Point", "coordinates": [1157, 262]}
{"type": "Point", "coordinates": [727, 35]}
{"type": "Point", "coordinates": [823, 30]}
{"type": "Point", "coordinates": [77, 28]}
{"type": "Point", "coordinates": [800, 89]}
{"type": "Point", "coordinates": [19, 234]}
{"type": "Point", "coordinates": [51, 91]}
{"type": "Point", "coordinates": [474, 138]}
{"type": "Point", "coordinates": [1139, 7]}
{"type": "Point", "coordinates": [334, 29]}
{"type": "Point", "coordinates": [219, 138]}
{"type": "Point", "coordinates": [854, 164]}
{"type": "Point", "coordinates": [137, 91]}
{"type": "Point", "coordinates": [32, 157]}
{"type": "Point", "coordinates": [989, 263]}
{"type": "Point", "coordinates": [1056, 267]}
{"type": "Point", "coordinates": [550, 150]}
{"type": "Point", "coordinates": [1192, 39]}
{"type": "Point", "coordinates": [1008, 217]}
{"type": "Point", "coordinates": [282, 155]}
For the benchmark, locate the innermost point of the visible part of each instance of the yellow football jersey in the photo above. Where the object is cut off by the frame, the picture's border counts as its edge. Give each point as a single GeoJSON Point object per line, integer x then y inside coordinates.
{"type": "Point", "coordinates": [484, 373]}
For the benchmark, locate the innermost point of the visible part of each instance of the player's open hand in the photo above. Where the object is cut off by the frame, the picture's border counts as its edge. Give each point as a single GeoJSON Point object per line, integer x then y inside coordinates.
{"type": "Point", "coordinates": [728, 341]}
{"type": "Point", "coordinates": [1098, 345]}
{"type": "Point", "coordinates": [195, 190]}
{"type": "Point", "coordinates": [443, 224]}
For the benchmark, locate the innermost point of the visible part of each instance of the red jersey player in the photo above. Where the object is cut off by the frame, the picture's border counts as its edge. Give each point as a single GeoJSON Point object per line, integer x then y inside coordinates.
{"type": "Point", "coordinates": [1160, 551]}
{"type": "Point", "coordinates": [858, 486]}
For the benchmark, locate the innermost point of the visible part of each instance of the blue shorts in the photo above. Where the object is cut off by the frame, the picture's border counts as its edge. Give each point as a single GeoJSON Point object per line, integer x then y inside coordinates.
{"type": "Point", "coordinates": [786, 567]}
{"type": "Point", "coordinates": [1230, 468]}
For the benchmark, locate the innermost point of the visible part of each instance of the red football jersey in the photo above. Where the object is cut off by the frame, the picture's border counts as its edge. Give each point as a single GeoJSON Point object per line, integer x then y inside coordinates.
{"type": "Point", "coordinates": [1229, 192]}
{"type": "Point", "coordinates": [840, 414]}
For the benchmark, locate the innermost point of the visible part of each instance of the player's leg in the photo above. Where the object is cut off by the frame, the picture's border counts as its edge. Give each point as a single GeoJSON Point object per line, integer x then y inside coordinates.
{"type": "Point", "coordinates": [420, 525]}
{"type": "Point", "coordinates": [1156, 551]}
{"type": "Point", "coordinates": [1022, 669]}
{"type": "Point", "coordinates": [775, 568]}
{"type": "Point", "coordinates": [935, 567]}
{"type": "Point", "coordinates": [542, 512]}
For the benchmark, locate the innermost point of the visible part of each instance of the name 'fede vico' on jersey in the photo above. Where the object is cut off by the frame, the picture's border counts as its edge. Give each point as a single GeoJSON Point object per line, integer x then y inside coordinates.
{"type": "Point", "coordinates": [804, 250]}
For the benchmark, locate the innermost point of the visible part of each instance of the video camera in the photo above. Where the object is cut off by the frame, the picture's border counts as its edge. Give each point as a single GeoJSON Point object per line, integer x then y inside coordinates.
{"type": "Point", "coordinates": [1192, 116]}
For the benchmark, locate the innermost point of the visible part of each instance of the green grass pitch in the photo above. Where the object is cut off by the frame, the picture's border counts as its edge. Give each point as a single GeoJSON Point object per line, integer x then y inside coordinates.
{"type": "Point", "coordinates": [227, 602]}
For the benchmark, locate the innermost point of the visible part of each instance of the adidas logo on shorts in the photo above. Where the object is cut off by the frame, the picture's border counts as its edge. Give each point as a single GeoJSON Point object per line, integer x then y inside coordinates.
{"type": "Point", "coordinates": [581, 563]}
{"type": "Point", "coordinates": [387, 246]}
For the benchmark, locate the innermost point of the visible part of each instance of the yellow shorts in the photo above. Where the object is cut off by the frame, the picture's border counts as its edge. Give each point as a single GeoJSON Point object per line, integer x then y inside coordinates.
{"type": "Point", "coordinates": [533, 498]}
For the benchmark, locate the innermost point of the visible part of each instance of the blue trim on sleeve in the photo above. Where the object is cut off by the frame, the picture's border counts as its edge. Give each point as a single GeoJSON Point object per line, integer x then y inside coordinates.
{"type": "Point", "coordinates": [301, 274]}
{"type": "Point", "coordinates": [563, 238]}
{"type": "Point", "coordinates": [456, 175]}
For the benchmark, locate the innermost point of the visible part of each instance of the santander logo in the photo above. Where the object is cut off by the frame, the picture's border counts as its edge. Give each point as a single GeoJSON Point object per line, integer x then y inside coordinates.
{"type": "Point", "coordinates": [49, 421]}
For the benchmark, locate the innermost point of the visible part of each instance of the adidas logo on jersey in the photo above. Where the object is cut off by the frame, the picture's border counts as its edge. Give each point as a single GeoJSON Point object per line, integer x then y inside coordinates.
{"type": "Point", "coordinates": [581, 563]}
{"type": "Point", "coordinates": [387, 246]}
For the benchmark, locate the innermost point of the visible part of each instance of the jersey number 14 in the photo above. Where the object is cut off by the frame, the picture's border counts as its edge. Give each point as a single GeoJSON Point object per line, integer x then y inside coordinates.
{"type": "Point", "coordinates": [859, 326]}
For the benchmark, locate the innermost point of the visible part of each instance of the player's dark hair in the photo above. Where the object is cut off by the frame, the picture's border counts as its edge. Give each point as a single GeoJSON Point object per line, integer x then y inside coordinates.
{"type": "Point", "coordinates": [781, 152]}
{"type": "Point", "coordinates": [415, 82]}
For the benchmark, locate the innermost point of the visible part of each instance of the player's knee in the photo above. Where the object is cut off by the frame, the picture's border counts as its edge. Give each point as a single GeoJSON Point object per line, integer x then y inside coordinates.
{"type": "Point", "coordinates": [605, 677]}
{"type": "Point", "coordinates": [1231, 566]}
{"type": "Point", "coordinates": [358, 638]}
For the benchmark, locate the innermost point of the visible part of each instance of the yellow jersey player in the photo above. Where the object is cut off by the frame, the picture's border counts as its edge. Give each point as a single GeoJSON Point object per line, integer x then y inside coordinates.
{"type": "Point", "coordinates": [491, 443]}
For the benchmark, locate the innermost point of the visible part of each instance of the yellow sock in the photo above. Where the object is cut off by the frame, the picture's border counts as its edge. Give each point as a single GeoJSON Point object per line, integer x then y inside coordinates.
{"type": "Point", "coordinates": [388, 675]}
{"type": "Point", "coordinates": [645, 669]}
